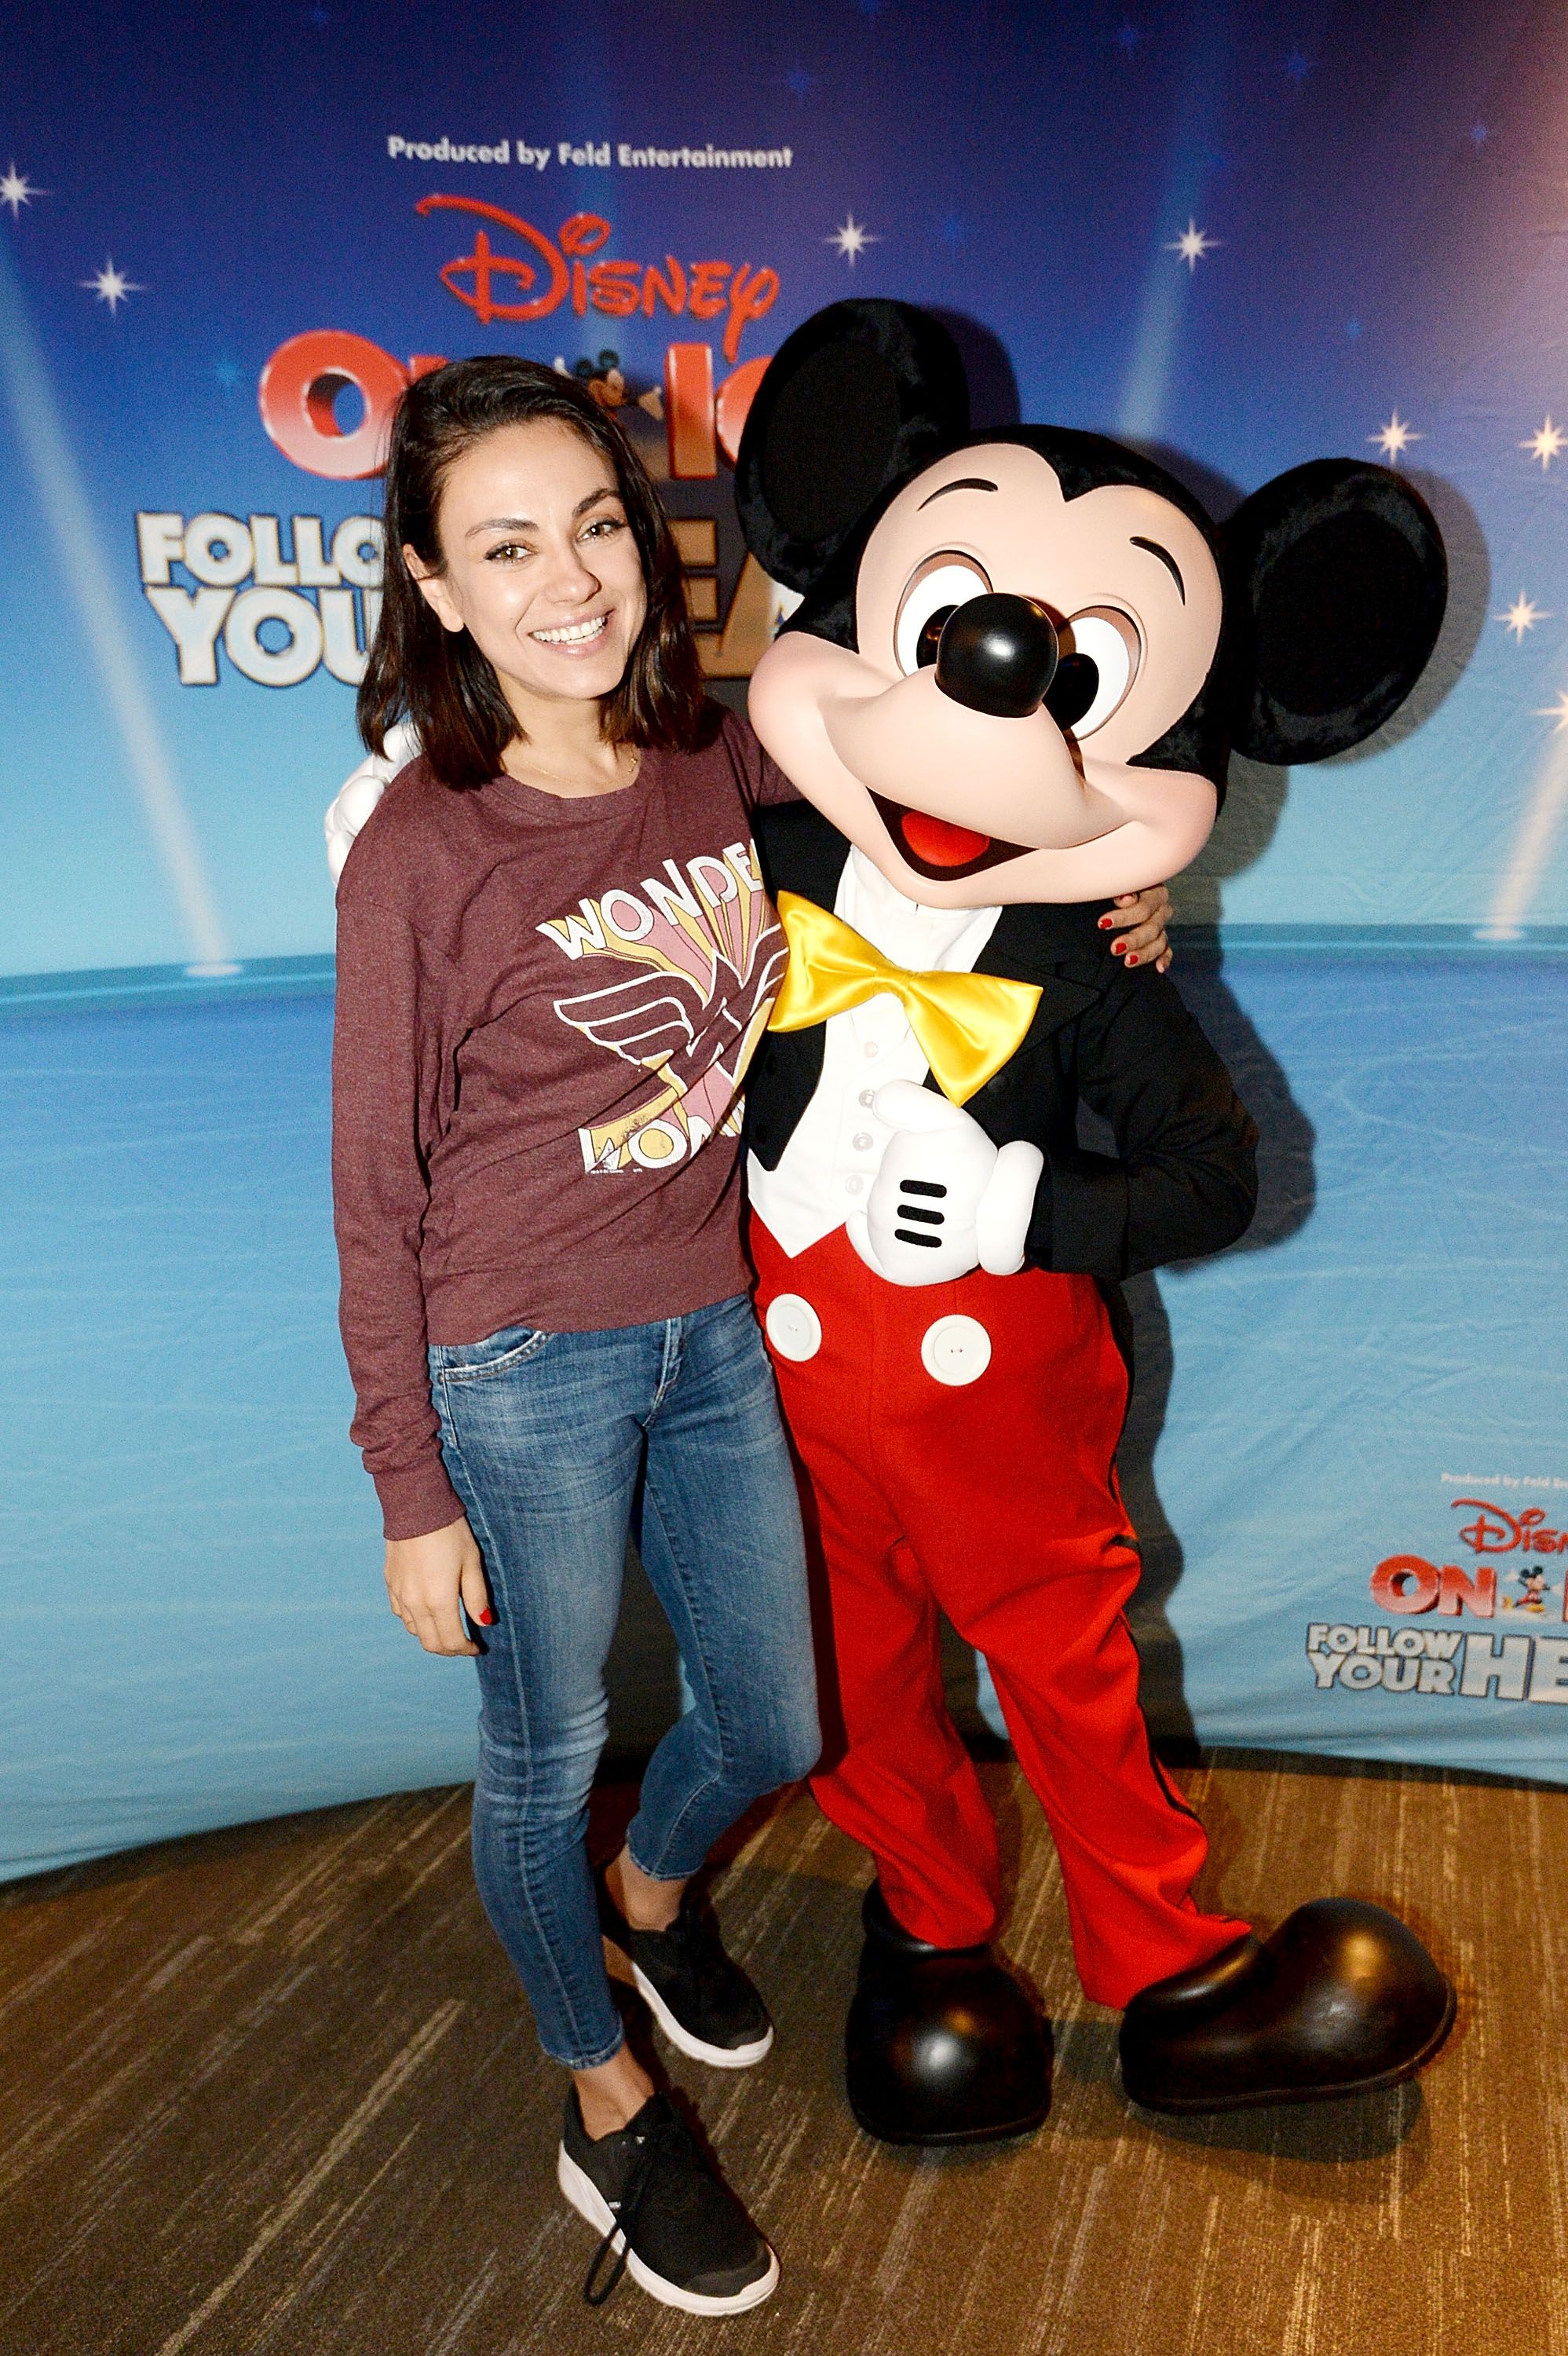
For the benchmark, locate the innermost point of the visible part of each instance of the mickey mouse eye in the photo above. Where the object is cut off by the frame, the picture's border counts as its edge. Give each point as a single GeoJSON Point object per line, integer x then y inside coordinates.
{"type": "Point", "coordinates": [939, 585]}
{"type": "Point", "coordinates": [1097, 665]}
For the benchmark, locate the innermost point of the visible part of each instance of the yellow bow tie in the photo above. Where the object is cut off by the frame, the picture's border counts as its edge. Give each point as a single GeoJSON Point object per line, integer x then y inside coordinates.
{"type": "Point", "coordinates": [967, 1023]}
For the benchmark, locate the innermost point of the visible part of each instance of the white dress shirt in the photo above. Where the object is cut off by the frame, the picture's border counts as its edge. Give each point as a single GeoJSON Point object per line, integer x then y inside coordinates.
{"type": "Point", "coordinates": [825, 1169]}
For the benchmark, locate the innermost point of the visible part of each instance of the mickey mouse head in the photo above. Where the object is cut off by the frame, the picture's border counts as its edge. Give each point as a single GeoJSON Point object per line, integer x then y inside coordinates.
{"type": "Point", "coordinates": [1023, 658]}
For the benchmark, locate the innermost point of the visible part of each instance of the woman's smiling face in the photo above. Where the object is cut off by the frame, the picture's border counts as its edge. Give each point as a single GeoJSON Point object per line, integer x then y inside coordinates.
{"type": "Point", "coordinates": [540, 566]}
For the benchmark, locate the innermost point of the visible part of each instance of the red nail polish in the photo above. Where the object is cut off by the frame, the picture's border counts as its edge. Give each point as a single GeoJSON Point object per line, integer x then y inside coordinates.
{"type": "Point", "coordinates": [486, 1618]}
{"type": "Point", "coordinates": [1118, 949]}
{"type": "Point", "coordinates": [1132, 960]}
{"type": "Point", "coordinates": [1105, 923]}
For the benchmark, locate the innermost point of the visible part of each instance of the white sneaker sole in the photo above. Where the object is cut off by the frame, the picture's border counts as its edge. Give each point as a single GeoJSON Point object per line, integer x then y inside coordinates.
{"type": "Point", "coordinates": [718, 2056]}
{"type": "Point", "coordinates": [589, 2203]}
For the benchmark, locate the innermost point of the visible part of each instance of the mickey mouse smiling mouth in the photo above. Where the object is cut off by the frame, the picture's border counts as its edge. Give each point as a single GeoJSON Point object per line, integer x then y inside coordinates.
{"type": "Point", "coordinates": [936, 849]}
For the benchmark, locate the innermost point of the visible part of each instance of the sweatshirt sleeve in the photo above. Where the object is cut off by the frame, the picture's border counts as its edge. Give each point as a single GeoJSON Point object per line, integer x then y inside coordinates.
{"type": "Point", "coordinates": [763, 781]}
{"type": "Point", "coordinates": [387, 1065]}
{"type": "Point", "coordinates": [1183, 1180]}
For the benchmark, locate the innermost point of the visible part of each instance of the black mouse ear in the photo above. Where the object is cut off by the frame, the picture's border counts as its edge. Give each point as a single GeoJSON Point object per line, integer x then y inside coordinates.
{"type": "Point", "coordinates": [860, 394]}
{"type": "Point", "coordinates": [1335, 585]}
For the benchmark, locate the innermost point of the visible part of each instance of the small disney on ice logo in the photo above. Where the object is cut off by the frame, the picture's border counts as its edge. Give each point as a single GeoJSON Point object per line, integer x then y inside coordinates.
{"type": "Point", "coordinates": [1436, 1660]}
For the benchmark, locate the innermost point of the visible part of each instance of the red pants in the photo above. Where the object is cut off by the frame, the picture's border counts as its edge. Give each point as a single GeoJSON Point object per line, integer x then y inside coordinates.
{"type": "Point", "coordinates": [991, 1495]}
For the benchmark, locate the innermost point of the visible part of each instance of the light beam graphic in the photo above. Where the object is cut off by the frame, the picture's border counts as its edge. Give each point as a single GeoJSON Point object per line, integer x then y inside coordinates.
{"type": "Point", "coordinates": [1537, 833]}
{"type": "Point", "coordinates": [62, 495]}
{"type": "Point", "coordinates": [1206, 69]}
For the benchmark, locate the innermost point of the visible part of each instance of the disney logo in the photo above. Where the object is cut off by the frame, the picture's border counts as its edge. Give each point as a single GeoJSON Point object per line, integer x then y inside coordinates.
{"type": "Point", "coordinates": [1497, 1531]}
{"type": "Point", "coordinates": [560, 271]}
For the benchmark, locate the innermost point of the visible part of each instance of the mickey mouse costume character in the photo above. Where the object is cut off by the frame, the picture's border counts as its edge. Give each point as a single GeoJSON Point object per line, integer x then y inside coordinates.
{"type": "Point", "coordinates": [1011, 688]}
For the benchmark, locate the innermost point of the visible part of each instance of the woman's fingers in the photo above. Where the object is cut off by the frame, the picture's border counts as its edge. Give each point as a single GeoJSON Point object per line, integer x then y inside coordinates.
{"type": "Point", "coordinates": [426, 1577]}
{"type": "Point", "coordinates": [1145, 917]}
{"type": "Point", "coordinates": [475, 1594]}
{"type": "Point", "coordinates": [439, 1629]}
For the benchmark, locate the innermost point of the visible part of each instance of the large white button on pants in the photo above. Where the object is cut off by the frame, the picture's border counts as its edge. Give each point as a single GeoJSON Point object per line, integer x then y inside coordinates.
{"type": "Point", "coordinates": [956, 1351]}
{"type": "Point", "coordinates": [795, 1329]}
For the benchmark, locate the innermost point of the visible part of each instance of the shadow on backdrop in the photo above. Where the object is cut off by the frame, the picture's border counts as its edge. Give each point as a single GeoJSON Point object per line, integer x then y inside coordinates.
{"type": "Point", "coordinates": [1286, 1191]}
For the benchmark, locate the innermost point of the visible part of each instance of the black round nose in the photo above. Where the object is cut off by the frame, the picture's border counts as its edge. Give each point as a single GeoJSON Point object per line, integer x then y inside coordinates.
{"type": "Point", "coordinates": [998, 654]}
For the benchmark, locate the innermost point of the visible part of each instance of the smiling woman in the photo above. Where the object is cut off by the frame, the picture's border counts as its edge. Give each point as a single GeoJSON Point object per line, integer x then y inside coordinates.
{"type": "Point", "coordinates": [536, 1187]}
{"type": "Point", "coordinates": [507, 450]}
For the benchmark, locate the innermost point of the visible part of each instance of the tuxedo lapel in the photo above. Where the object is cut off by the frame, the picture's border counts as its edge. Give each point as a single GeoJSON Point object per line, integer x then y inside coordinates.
{"type": "Point", "coordinates": [1030, 943]}
{"type": "Point", "coordinates": [798, 852]}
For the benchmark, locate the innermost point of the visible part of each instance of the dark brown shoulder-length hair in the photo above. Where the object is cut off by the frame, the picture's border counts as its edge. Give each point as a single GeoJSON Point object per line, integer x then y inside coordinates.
{"type": "Point", "coordinates": [437, 679]}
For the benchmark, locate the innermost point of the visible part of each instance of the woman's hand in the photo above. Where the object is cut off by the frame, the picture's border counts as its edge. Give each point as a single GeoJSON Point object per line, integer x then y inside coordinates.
{"type": "Point", "coordinates": [1146, 914]}
{"type": "Point", "coordinates": [427, 1577]}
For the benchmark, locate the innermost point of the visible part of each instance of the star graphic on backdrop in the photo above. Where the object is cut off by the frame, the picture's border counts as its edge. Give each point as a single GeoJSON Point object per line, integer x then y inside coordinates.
{"type": "Point", "coordinates": [953, 230]}
{"type": "Point", "coordinates": [1298, 67]}
{"type": "Point", "coordinates": [1479, 134]}
{"type": "Point", "coordinates": [1193, 244]}
{"type": "Point", "coordinates": [852, 239]}
{"type": "Point", "coordinates": [1546, 445]}
{"type": "Point", "coordinates": [1353, 329]}
{"type": "Point", "coordinates": [1394, 437]}
{"type": "Point", "coordinates": [228, 373]}
{"type": "Point", "coordinates": [1128, 38]}
{"type": "Point", "coordinates": [870, 7]}
{"type": "Point", "coordinates": [112, 285]}
{"type": "Point", "coordinates": [799, 80]}
{"type": "Point", "coordinates": [1558, 711]}
{"type": "Point", "coordinates": [1521, 616]}
{"type": "Point", "coordinates": [16, 190]}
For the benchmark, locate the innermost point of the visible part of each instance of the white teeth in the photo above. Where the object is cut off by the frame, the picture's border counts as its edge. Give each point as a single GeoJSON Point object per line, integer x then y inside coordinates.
{"type": "Point", "coordinates": [574, 633]}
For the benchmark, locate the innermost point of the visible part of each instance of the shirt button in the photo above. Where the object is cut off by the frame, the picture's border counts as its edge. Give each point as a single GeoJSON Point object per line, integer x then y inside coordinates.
{"type": "Point", "coordinates": [870, 1050]}
{"type": "Point", "coordinates": [863, 1144]}
{"type": "Point", "coordinates": [868, 1096]}
{"type": "Point", "coordinates": [853, 1185]}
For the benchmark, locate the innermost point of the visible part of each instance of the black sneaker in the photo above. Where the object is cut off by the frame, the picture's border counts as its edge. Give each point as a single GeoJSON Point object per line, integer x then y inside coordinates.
{"type": "Point", "coordinates": [665, 2215]}
{"type": "Point", "coordinates": [701, 1999]}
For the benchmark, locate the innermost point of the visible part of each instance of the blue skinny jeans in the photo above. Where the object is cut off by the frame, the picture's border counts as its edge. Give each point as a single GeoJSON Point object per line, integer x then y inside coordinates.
{"type": "Point", "coordinates": [558, 1444]}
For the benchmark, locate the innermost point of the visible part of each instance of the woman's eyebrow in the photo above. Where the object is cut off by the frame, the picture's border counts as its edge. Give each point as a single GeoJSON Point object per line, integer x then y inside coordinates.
{"type": "Point", "coordinates": [965, 483]}
{"type": "Point", "coordinates": [527, 523]}
{"type": "Point", "coordinates": [1167, 558]}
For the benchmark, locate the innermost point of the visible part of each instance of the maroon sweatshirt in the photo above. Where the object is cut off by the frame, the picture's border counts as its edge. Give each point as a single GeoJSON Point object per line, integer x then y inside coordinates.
{"type": "Point", "coordinates": [545, 1010]}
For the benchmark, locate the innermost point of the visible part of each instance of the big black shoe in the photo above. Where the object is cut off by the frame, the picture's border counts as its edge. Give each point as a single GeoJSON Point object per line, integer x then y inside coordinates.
{"type": "Point", "coordinates": [942, 2046]}
{"type": "Point", "coordinates": [1341, 1999]}
{"type": "Point", "coordinates": [698, 1995]}
{"type": "Point", "coordinates": [665, 2216]}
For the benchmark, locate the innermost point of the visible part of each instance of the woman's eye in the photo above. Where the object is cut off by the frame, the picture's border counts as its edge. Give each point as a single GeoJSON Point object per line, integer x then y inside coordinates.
{"type": "Point", "coordinates": [504, 552]}
{"type": "Point", "coordinates": [603, 526]}
{"type": "Point", "coordinates": [1097, 664]}
{"type": "Point", "coordinates": [942, 584]}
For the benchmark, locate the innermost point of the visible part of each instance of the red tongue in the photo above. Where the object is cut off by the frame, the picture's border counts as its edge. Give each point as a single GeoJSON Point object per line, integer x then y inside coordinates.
{"type": "Point", "coordinates": [939, 844]}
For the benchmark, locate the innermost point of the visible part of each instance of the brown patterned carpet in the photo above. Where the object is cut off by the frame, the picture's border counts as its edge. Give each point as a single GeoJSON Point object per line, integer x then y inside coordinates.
{"type": "Point", "coordinates": [274, 2089]}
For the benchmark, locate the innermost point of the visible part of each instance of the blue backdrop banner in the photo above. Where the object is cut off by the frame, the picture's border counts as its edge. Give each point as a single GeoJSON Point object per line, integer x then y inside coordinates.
{"type": "Point", "coordinates": [1238, 236]}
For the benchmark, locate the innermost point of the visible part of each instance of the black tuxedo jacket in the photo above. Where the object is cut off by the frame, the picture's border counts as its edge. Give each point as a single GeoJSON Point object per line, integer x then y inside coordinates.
{"type": "Point", "coordinates": [1183, 1180]}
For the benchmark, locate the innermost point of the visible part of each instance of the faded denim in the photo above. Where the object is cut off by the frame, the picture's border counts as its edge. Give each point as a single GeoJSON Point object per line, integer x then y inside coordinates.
{"type": "Point", "coordinates": [558, 1444]}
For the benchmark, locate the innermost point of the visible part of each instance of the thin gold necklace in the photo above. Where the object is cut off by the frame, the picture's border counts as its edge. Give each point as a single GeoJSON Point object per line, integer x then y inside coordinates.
{"type": "Point", "coordinates": [555, 778]}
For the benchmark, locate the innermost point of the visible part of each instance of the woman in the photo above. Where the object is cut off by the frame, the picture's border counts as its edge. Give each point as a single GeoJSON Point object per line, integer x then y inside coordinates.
{"type": "Point", "coordinates": [554, 958]}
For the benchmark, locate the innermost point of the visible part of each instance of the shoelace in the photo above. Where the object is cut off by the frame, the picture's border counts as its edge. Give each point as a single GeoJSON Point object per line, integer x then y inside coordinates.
{"type": "Point", "coordinates": [667, 2138]}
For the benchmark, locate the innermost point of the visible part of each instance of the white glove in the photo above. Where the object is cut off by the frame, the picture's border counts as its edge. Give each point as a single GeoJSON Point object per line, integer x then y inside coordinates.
{"type": "Point", "coordinates": [361, 792]}
{"type": "Point", "coordinates": [942, 1180]}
